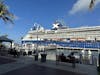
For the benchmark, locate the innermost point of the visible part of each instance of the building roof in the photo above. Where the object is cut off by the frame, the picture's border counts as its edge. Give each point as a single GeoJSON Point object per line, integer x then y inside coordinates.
{"type": "Point", "coordinates": [5, 39]}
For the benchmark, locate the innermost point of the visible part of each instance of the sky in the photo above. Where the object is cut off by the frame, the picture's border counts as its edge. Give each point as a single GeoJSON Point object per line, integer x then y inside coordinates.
{"type": "Point", "coordinates": [74, 13]}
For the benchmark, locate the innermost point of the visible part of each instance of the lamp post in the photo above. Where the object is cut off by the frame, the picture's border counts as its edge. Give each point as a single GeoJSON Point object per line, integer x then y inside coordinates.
{"type": "Point", "coordinates": [37, 42]}
{"type": "Point", "coordinates": [36, 52]}
{"type": "Point", "coordinates": [98, 59]}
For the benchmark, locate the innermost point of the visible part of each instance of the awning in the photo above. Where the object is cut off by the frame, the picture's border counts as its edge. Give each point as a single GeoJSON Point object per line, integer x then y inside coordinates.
{"type": "Point", "coordinates": [5, 39]}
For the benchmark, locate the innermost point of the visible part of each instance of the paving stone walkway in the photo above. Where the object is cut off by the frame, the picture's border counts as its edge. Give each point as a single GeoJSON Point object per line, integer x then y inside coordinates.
{"type": "Point", "coordinates": [25, 62]}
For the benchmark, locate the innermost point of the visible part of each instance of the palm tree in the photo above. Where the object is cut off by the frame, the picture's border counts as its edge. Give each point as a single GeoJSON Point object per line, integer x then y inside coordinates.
{"type": "Point", "coordinates": [5, 15]}
{"type": "Point", "coordinates": [91, 5]}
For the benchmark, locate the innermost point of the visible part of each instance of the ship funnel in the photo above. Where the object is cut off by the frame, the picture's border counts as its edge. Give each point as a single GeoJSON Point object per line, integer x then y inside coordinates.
{"type": "Point", "coordinates": [58, 25]}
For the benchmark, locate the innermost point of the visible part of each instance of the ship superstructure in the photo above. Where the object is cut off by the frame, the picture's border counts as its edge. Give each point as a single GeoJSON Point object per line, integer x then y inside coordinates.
{"type": "Point", "coordinates": [61, 35]}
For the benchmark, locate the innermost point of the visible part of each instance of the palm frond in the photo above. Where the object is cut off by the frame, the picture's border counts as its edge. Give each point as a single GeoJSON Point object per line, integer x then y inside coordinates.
{"type": "Point", "coordinates": [91, 5]}
{"type": "Point", "coordinates": [7, 19]}
{"type": "Point", "coordinates": [5, 15]}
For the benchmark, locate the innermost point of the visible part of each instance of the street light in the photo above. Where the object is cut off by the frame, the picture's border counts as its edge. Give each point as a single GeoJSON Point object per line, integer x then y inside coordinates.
{"type": "Point", "coordinates": [36, 52]}
{"type": "Point", "coordinates": [98, 58]}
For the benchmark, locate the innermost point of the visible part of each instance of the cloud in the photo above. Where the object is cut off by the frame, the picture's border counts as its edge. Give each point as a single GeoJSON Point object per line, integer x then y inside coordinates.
{"type": "Point", "coordinates": [82, 5]}
{"type": "Point", "coordinates": [97, 2]}
{"type": "Point", "coordinates": [16, 17]}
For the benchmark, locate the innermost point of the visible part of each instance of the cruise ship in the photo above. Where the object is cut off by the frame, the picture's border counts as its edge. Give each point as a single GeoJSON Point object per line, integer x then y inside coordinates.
{"type": "Point", "coordinates": [61, 36]}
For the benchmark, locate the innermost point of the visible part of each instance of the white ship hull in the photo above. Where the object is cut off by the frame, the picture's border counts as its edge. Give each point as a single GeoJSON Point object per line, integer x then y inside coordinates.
{"type": "Point", "coordinates": [62, 35]}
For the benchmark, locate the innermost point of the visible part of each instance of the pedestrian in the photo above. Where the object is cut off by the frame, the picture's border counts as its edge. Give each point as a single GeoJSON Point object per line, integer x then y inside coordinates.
{"type": "Point", "coordinates": [73, 60]}
{"type": "Point", "coordinates": [63, 57]}
{"type": "Point", "coordinates": [80, 58]}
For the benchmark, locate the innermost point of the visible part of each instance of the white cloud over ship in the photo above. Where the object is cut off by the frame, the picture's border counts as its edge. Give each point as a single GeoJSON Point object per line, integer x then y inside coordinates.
{"type": "Point", "coordinates": [82, 5]}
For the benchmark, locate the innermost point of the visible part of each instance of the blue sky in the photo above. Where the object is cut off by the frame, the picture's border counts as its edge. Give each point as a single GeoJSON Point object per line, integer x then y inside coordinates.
{"type": "Point", "coordinates": [74, 13]}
